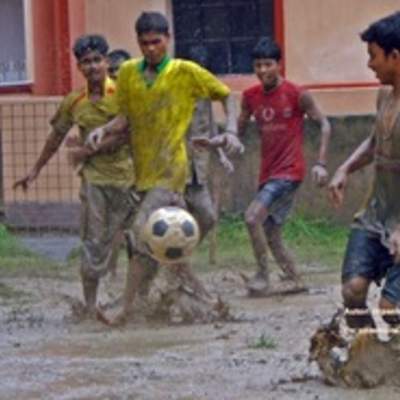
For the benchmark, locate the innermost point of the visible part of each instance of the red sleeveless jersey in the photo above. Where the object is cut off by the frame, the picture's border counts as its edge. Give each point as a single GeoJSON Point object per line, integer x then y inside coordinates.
{"type": "Point", "coordinates": [280, 123]}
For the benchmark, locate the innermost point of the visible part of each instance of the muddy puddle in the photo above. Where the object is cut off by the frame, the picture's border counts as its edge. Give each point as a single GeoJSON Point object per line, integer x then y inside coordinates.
{"type": "Point", "coordinates": [262, 355]}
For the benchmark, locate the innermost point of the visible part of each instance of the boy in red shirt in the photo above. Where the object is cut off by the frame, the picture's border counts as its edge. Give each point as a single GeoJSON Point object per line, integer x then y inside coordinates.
{"type": "Point", "coordinates": [279, 107]}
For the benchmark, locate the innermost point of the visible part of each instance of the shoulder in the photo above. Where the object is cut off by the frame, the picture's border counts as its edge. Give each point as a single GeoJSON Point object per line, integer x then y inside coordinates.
{"type": "Point", "coordinates": [72, 99]}
{"type": "Point", "coordinates": [185, 65]}
{"type": "Point", "coordinates": [383, 95]}
{"type": "Point", "coordinates": [293, 87]}
{"type": "Point", "coordinates": [129, 66]}
{"type": "Point", "coordinates": [110, 87]}
{"type": "Point", "coordinates": [252, 91]}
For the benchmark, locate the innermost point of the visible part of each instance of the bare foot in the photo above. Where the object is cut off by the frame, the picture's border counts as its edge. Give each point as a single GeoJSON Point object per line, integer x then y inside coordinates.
{"type": "Point", "coordinates": [121, 318]}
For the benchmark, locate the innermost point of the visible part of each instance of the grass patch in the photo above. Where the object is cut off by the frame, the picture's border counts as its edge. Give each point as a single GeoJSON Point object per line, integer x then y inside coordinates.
{"type": "Point", "coordinates": [16, 259]}
{"type": "Point", "coordinates": [316, 241]}
{"type": "Point", "coordinates": [313, 241]}
{"type": "Point", "coordinates": [263, 342]}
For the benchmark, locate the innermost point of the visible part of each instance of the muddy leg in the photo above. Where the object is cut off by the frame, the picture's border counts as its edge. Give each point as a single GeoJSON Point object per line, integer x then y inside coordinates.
{"type": "Point", "coordinates": [390, 313]}
{"type": "Point", "coordinates": [134, 277]}
{"type": "Point", "coordinates": [90, 286]}
{"type": "Point", "coordinates": [281, 254]}
{"type": "Point", "coordinates": [113, 262]}
{"type": "Point", "coordinates": [354, 292]}
{"type": "Point", "coordinates": [185, 274]}
{"type": "Point", "coordinates": [254, 214]}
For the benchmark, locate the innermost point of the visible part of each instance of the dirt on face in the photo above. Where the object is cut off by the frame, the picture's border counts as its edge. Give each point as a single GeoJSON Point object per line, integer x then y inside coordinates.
{"type": "Point", "coordinates": [262, 353]}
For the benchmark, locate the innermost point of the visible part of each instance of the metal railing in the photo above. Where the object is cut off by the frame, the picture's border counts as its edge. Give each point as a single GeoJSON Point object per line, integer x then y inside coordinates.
{"type": "Point", "coordinates": [52, 202]}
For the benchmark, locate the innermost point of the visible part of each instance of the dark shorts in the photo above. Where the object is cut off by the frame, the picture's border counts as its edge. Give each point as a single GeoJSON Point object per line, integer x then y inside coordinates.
{"type": "Point", "coordinates": [277, 196]}
{"type": "Point", "coordinates": [366, 256]}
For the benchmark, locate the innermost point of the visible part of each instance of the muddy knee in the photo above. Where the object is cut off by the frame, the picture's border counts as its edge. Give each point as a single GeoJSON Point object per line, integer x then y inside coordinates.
{"type": "Point", "coordinates": [206, 222]}
{"type": "Point", "coordinates": [354, 292]}
{"type": "Point", "coordinates": [251, 220]}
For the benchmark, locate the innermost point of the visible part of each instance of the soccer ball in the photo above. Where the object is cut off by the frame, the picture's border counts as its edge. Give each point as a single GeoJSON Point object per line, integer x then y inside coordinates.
{"type": "Point", "coordinates": [170, 235]}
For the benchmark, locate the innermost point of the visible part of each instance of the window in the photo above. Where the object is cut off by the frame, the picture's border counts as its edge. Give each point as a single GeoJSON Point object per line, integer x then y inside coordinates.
{"type": "Point", "coordinates": [13, 54]}
{"type": "Point", "coordinates": [228, 29]}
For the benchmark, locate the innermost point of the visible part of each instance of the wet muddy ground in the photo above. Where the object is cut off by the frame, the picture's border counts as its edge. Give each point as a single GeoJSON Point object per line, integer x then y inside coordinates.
{"type": "Point", "coordinates": [46, 354]}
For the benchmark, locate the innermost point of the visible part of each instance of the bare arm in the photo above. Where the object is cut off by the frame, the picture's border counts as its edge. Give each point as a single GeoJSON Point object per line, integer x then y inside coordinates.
{"type": "Point", "coordinates": [229, 139]}
{"type": "Point", "coordinates": [78, 153]}
{"type": "Point", "coordinates": [51, 146]}
{"type": "Point", "coordinates": [309, 106]}
{"type": "Point", "coordinates": [243, 120]}
{"type": "Point", "coordinates": [362, 156]}
{"type": "Point", "coordinates": [116, 127]}
{"type": "Point", "coordinates": [230, 114]}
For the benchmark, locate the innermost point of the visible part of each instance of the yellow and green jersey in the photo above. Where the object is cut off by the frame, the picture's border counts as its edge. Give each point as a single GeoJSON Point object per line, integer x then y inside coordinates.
{"type": "Point", "coordinates": [160, 113]}
{"type": "Point", "coordinates": [115, 168]}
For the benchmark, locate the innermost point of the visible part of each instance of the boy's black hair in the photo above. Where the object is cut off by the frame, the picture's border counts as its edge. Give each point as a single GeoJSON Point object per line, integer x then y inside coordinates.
{"type": "Point", "coordinates": [118, 54]}
{"type": "Point", "coordinates": [266, 48]}
{"type": "Point", "coordinates": [384, 32]}
{"type": "Point", "coordinates": [152, 22]}
{"type": "Point", "coordinates": [88, 43]}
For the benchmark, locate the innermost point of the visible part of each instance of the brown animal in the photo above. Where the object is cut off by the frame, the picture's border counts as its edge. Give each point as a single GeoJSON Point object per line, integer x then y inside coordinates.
{"type": "Point", "coordinates": [361, 362]}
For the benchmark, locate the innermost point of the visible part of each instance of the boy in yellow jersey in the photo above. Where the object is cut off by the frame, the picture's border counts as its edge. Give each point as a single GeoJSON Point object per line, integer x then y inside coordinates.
{"type": "Point", "coordinates": [157, 95]}
{"type": "Point", "coordinates": [107, 196]}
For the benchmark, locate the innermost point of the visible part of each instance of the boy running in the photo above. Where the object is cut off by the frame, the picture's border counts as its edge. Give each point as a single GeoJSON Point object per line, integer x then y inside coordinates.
{"type": "Point", "coordinates": [107, 196]}
{"type": "Point", "coordinates": [157, 95]}
{"type": "Point", "coordinates": [373, 248]}
{"type": "Point", "coordinates": [279, 107]}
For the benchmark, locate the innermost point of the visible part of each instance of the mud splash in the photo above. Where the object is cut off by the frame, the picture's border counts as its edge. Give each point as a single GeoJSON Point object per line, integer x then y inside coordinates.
{"type": "Point", "coordinates": [55, 358]}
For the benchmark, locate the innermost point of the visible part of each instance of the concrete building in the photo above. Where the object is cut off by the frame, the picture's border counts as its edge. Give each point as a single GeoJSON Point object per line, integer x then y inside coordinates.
{"type": "Point", "coordinates": [320, 39]}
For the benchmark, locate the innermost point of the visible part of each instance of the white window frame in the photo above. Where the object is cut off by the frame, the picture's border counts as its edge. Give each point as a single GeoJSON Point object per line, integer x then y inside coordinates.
{"type": "Point", "coordinates": [28, 37]}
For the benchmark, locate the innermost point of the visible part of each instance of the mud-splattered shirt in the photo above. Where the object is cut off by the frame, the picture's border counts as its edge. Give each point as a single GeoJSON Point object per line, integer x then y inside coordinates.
{"type": "Point", "coordinates": [160, 115]}
{"type": "Point", "coordinates": [115, 168]}
{"type": "Point", "coordinates": [280, 122]}
{"type": "Point", "coordinates": [381, 211]}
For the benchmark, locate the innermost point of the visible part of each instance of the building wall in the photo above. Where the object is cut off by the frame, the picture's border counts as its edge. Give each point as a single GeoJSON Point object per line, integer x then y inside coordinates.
{"type": "Point", "coordinates": [326, 50]}
{"type": "Point", "coordinates": [116, 22]}
{"type": "Point", "coordinates": [322, 49]}
{"type": "Point", "coordinates": [322, 46]}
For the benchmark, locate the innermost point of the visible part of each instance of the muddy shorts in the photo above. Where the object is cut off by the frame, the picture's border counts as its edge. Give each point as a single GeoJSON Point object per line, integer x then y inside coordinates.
{"type": "Point", "coordinates": [277, 196]}
{"type": "Point", "coordinates": [106, 211]}
{"type": "Point", "coordinates": [199, 203]}
{"type": "Point", "coordinates": [366, 256]}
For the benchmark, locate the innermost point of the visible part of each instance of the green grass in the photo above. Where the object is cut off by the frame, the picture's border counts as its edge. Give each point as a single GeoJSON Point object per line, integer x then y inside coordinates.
{"type": "Point", "coordinates": [16, 259]}
{"type": "Point", "coordinates": [263, 342]}
{"type": "Point", "coordinates": [313, 241]}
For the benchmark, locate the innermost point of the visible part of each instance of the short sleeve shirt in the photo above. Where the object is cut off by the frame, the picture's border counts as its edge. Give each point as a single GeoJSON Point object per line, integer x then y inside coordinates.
{"type": "Point", "coordinates": [280, 122]}
{"type": "Point", "coordinates": [116, 168]}
{"type": "Point", "coordinates": [160, 115]}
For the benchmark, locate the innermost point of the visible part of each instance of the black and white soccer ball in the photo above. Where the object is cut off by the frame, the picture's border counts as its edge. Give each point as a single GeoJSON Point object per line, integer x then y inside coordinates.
{"type": "Point", "coordinates": [170, 235]}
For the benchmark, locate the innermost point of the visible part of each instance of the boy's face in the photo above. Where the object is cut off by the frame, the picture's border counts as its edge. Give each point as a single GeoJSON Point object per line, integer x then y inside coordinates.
{"type": "Point", "coordinates": [267, 70]}
{"type": "Point", "coordinates": [113, 67]}
{"type": "Point", "coordinates": [384, 65]}
{"type": "Point", "coordinates": [93, 66]}
{"type": "Point", "coordinates": [154, 46]}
